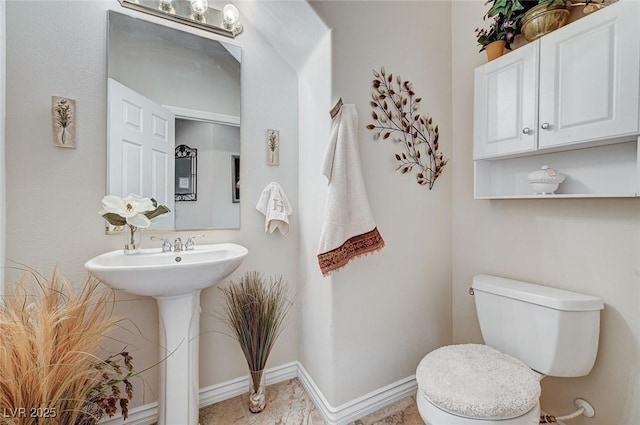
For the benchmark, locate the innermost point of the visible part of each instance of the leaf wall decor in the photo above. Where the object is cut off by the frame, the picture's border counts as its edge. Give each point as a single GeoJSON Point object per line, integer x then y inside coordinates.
{"type": "Point", "coordinates": [395, 117]}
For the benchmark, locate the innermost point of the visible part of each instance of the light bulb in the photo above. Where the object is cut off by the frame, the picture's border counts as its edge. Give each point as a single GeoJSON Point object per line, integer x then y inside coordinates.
{"type": "Point", "coordinates": [230, 14]}
{"type": "Point", "coordinates": [199, 7]}
{"type": "Point", "coordinates": [166, 6]}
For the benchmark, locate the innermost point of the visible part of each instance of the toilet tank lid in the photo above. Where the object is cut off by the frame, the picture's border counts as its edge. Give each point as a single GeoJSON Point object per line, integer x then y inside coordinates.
{"type": "Point", "coordinates": [555, 298]}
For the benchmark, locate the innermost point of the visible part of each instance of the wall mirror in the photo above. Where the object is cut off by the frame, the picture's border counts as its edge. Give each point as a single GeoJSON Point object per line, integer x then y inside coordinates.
{"type": "Point", "coordinates": [168, 88]}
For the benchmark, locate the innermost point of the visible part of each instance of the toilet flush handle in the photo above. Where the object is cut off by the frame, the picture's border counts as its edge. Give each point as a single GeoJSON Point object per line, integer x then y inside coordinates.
{"type": "Point", "coordinates": [471, 291]}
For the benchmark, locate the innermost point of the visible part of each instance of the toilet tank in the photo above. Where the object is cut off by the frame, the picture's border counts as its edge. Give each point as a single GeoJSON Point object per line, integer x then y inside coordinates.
{"type": "Point", "coordinates": [553, 331]}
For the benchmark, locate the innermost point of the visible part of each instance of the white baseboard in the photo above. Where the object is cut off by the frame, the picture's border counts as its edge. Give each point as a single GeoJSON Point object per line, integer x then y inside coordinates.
{"type": "Point", "coordinates": [235, 387]}
{"type": "Point", "coordinates": [341, 415]}
{"type": "Point", "coordinates": [361, 406]}
{"type": "Point", "coordinates": [141, 415]}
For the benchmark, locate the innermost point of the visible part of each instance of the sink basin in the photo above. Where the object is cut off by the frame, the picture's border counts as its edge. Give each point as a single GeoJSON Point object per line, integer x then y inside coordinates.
{"type": "Point", "coordinates": [175, 280]}
{"type": "Point", "coordinates": [167, 274]}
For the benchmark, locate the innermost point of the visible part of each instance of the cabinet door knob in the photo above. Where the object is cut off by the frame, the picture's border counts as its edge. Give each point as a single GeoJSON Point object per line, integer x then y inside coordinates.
{"type": "Point", "coordinates": [526, 130]}
{"type": "Point", "coordinates": [545, 126]}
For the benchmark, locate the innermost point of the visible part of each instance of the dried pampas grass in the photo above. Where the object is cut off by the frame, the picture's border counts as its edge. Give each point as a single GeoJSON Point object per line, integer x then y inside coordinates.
{"type": "Point", "coordinates": [49, 336]}
{"type": "Point", "coordinates": [255, 314]}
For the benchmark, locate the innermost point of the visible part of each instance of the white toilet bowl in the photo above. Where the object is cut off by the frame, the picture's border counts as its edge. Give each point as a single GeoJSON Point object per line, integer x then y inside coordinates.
{"type": "Point", "coordinates": [473, 384]}
{"type": "Point", "coordinates": [432, 415]}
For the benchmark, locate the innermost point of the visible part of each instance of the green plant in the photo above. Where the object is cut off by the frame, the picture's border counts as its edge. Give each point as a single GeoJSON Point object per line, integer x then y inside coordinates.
{"type": "Point", "coordinates": [506, 16]}
{"type": "Point", "coordinates": [511, 10]}
{"type": "Point", "coordinates": [499, 29]}
{"type": "Point", "coordinates": [49, 371]}
{"type": "Point", "coordinates": [255, 312]}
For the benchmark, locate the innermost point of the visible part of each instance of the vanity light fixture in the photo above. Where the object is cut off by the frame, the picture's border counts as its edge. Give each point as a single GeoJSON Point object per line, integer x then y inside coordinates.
{"type": "Point", "coordinates": [195, 13]}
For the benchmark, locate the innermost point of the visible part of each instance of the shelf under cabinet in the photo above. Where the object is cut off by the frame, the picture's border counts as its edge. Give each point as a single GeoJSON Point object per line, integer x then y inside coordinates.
{"type": "Point", "coordinates": [608, 171]}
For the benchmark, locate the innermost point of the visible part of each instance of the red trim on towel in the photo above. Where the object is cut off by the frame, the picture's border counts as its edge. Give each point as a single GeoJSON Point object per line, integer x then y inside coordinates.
{"type": "Point", "coordinates": [354, 247]}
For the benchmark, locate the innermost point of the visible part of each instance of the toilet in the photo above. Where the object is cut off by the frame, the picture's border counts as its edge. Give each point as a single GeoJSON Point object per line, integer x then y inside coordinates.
{"type": "Point", "coordinates": [530, 331]}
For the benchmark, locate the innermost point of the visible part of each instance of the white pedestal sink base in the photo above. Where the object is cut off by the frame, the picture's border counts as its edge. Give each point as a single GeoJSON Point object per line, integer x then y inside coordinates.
{"type": "Point", "coordinates": [175, 280]}
{"type": "Point", "coordinates": [179, 342]}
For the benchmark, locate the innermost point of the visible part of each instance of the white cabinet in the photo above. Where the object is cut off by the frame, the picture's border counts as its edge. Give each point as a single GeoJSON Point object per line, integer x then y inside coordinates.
{"type": "Point", "coordinates": [575, 88]}
{"type": "Point", "coordinates": [506, 104]}
{"type": "Point", "coordinates": [589, 78]}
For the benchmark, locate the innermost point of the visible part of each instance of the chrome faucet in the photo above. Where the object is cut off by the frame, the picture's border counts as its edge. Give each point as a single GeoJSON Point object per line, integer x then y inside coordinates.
{"type": "Point", "coordinates": [166, 245]}
{"type": "Point", "coordinates": [178, 245]}
{"type": "Point", "coordinates": [190, 244]}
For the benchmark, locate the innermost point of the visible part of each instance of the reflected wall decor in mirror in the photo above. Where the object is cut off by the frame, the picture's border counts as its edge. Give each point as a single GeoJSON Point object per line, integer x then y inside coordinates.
{"type": "Point", "coordinates": [235, 169]}
{"type": "Point", "coordinates": [168, 88]}
{"type": "Point", "coordinates": [186, 166]}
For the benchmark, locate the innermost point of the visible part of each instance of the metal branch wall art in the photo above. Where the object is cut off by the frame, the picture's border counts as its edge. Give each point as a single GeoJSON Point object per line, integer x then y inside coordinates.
{"type": "Point", "coordinates": [395, 115]}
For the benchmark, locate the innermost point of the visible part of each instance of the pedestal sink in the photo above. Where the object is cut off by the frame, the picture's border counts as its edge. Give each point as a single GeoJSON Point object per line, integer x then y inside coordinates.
{"type": "Point", "coordinates": [175, 280]}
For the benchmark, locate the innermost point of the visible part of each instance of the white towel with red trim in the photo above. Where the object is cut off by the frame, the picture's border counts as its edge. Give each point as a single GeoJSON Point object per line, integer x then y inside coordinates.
{"type": "Point", "coordinates": [348, 229]}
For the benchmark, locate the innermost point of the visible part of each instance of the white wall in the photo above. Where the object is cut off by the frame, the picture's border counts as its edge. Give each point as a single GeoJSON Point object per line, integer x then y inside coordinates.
{"type": "Point", "coordinates": [315, 299]}
{"type": "Point", "coordinates": [586, 245]}
{"type": "Point", "coordinates": [384, 312]}
{"type": "Point", "coordinates": [53, 194]}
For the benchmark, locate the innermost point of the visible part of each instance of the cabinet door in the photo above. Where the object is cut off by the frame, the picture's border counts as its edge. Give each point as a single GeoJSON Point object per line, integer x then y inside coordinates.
{"type": "Point", "coordinates": [505, 104]}
{"type": "Point", "coordinates": [589, 74]}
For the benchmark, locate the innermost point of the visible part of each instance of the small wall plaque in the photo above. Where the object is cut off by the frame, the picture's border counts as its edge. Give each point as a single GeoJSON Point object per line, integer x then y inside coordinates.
{"type": "Point", "coordinates": [273, 147]}
{"type": "Point", "coordinates": [63, 118]}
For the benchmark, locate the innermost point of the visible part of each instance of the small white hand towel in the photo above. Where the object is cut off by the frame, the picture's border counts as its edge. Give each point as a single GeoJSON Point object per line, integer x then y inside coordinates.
{"type": "Point", "coordinates": [275, 206]}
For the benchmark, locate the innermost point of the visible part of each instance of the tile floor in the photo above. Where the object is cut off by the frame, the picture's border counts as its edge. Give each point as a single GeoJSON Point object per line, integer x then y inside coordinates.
{"type": "Point", "coordinates": [289, 404]}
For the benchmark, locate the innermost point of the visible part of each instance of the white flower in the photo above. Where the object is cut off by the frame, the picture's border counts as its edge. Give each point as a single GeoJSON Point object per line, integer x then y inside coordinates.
{"type": "Point", "coordinates": [131, 208]}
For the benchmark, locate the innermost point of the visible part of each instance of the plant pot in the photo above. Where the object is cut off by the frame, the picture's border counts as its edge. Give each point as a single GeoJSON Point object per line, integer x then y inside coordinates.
{"type": "Point", "coordinates": [495, 49]}
{"type": "Point", "coordinates": [541, 20]}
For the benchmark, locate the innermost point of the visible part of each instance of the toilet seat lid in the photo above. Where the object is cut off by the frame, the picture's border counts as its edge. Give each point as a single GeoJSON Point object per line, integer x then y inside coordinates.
{"type": "Point", "coordinates": [477, 381]}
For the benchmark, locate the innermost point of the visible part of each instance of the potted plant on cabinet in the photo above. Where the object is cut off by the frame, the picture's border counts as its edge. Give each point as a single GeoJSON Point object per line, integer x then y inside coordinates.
{"type": "Point", "coordinates": [497, 37]}
{"type": "Point", "coordinates": [543, 16]}
{"type": "Point", "coordinates": [531, 18]}
{"type": "Point", "coordinates": [505, 16]}
{"type": "Point", "coordinates": [535, 18]}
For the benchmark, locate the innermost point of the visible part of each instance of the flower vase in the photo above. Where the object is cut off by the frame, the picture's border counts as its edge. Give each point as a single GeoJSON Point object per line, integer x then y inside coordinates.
{"type": "Point", "coordinates": [132, 238]}
{"type": "Point", "coordinates": [495, 49]}
{"type": "Point", "coordinates": [62, 135]}
{"type": "Point", "coordinates": [257, 398]}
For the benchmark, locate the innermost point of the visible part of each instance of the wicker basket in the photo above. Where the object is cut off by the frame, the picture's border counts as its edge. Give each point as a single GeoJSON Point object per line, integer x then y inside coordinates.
{"type": "Point", "coordinates": [541, 20]}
